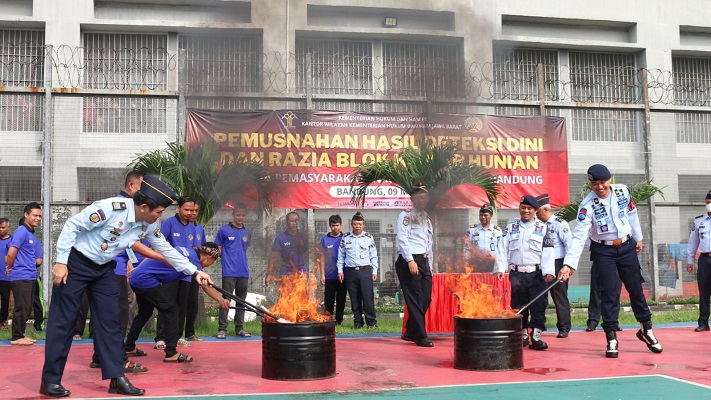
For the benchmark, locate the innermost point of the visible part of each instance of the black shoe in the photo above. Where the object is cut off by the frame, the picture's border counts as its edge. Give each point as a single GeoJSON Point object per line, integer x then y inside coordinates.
{"type": "Point", "coordinates": [407, 337]}
{"type": "Point", "coordinates": [424, 343]}
{"type": "Point", "coordinates": [537, 345]}
{"type": "Point", "coordinates": [701, 328]}
{"type": "Point", "coordinates": [647, 336]}
{"type": "Point", "coordinates": [121, 385]}
{"type": "Point", "coordinates": [612, 345]}
{"type": "Point", "coordinates": [563, 333]}
{"type": "Point", "coordinates": [358, 326]}
{"type": "Point", "coordinates": [373, 326]}
{"type": "Point", "coordinates": [618, 329]}
{"type": "Point", "coordinates": [53, 389]}
{"type": "Point", "coordinates": [591, 327]}
{"type": "Point", "coordinates": [94, 364]}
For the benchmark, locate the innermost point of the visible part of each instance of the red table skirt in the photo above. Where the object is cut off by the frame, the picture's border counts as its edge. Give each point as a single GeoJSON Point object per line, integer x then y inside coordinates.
{"type": "Point", "coordinates": [444, 306]}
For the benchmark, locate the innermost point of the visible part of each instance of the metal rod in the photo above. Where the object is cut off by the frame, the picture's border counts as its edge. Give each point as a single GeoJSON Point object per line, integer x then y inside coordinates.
{"type": "Point", "coordinates": [520, 310]}
{"type": "Point", "coordinates": [259, 311]}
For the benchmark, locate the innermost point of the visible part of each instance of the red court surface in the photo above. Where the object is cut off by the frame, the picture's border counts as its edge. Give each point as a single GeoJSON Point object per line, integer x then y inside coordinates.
{"type": "Point", "coordinates": [367, 362]}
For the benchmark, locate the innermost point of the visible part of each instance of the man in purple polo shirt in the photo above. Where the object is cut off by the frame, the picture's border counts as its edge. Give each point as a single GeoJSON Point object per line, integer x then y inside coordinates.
{"type": "Point", "coordinates": [334, 290]}
{"type": "Point", "coordinates": [21, 267]}
{"type": "Point", "coordinates": [233, 241]}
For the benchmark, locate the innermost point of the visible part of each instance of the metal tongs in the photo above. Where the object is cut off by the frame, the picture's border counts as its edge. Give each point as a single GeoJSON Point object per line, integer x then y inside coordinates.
{"type": "Point", "coordinates": [261, 310]}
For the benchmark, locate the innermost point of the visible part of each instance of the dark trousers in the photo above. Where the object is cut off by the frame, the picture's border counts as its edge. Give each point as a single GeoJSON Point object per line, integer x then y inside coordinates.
{"type": "Point", "coordinates": [123, 315]}
{"type": "Point", "coordinates": [192, 308]}
{"type": "Point", "coordinates": [239, 285]}
{"type": "Point", "coordinates": [594, 309]}
{"type": "Point", "coordinates": [37, 306]}
{"type": "Point", "coordinates": [179, 291]}
{"type": "Point", "coordinates": [22, 292]}
{"type": "Point", "coordinates": [703, 277]}
{"type": "Point", "coordinates": [5, 288]}
{"type": "Point", "coordinates": [360, 289]}
{"type": "Point", "coordinates": [81, 318]}
{"type": "Point", "coordinates": [417, 291]}
{"type": "Point", "coordinates": [621, 259]}
{"type": "Point", "coordinates": [559, 294]}
{"type": "Point", "coordinates": [334, 298]}
{"type": "Point", "coordinates": [524, 287]}
{"type": "Point", "coordinates": [99, 282]}
{"type": "Point", "coordinates": [163, 300]}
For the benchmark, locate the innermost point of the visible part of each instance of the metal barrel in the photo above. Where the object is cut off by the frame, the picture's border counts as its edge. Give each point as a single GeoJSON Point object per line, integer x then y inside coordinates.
{"type": "Point", "coordinates": [491, 344]}
{"type": "Point", "coordinates": [303, 351]}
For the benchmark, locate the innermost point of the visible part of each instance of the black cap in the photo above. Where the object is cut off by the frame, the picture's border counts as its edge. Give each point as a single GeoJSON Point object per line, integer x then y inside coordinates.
{"type": "Point", "coordinates": [529, 200]}
{"type": "Point", "coordinates": [543, 199]}
{"type": "Point", "coordinates": [487, 208]}
{"type": "Point", "coordinates": [708, 195]}
{"type": "Point", "coordinates": [598, 172]}
{"type": "Point", "coordinates": [419, 188]}
{"type": "Point", "coordinates": [358, 217]}
{"type": "Point", "coordinates": [157, 191]}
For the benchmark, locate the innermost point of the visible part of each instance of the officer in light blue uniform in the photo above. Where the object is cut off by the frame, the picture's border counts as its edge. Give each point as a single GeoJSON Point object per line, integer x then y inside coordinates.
{"type": "Point", "coordinates": [358, 267]}
{"type": "Point", "coordinates": [526, 252]}
{"type": "Point", "coordinates": [700, 241]}
{"type": "Point", "coordinates": [413, 265]}
{"type": "Point", "coordinates": [608, 217]}
{"type": "Point", "coordinates": [85, 250]}
{"type": "Point", "coordinates": [484, 235]}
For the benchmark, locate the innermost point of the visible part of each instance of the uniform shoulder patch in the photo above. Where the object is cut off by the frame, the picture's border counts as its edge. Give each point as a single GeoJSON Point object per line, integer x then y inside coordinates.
{"type": "Point", "coordinates": [406, 221]}
{"type": "Point", "coordinates": [157, 233]}
{"type": "Point", "coordinates": [582, 213]}
{"type": "Point", "coordinates": [118, 205]}
{"type": "Point", "coordinates": [97, 216]}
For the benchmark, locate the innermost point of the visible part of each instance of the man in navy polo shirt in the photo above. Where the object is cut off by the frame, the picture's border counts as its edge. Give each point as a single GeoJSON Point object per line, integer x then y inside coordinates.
{"type": "Point", "coordinates": [334, 290]}
{"type": "Point", "coordinates": [233, 240]}
{"type": "Point", "coordinates": [22, 258]}
{"type": "Point", "coordinates": [289, 250]}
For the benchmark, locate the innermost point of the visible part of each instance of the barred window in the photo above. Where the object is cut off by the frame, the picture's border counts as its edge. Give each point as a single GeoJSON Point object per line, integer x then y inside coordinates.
{"type": "Point", "coordinates": [21, 112]}
{"type": "Point", "coordinates": [604, 77]}
{"type": "Point", "coordinates": [338, 67]}
{"type": "Point", "coordinates": [105, 114]}
{"type": "Point", "coordinates": [693, 188]}
{"type": "Point", "coordinates": [21, 183]}
{"type": "Point", "coordinates": [516, 73]}
{"type": "Point", "coordinates": [405, 69]}
{"type": "Point", "coordinates": [99, 183]}
{"type": "Point", "coordinates": [692, 81]}
{"type": "Point", "coordinates": [224, 103]}
{"type": "Point", "coordinates": [529, 111]}
{"type": "Point", "coordinates": [598, 125]}
{"type": "Point", "coordinates": [125, 61]}
{"type": "Point", "coordinates": [692, 127]}
{"type": "Point", "coordinates": [222, 63]}
{"type": "Point", "coordinates": [21, 57]}
{"type": "Point", "coordinates": [352, 106]}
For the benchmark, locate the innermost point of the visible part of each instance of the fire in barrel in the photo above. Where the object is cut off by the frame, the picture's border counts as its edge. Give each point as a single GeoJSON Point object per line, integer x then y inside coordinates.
{"type": "Point", "coordinates": [487, 333]}
{"type": "Point", "coordinates": [303, 345]}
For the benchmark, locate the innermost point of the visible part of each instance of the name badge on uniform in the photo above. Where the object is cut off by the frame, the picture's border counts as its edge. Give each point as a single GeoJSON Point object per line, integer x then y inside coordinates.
{"type": "Point", "coordinates": [362, 254]}
{"type": "Point", "coordinates": [132, 256]}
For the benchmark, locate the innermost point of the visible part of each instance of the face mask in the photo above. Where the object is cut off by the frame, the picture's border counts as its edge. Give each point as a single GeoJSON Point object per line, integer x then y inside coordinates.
{"type": "Point", "coordinates": [708, 207]}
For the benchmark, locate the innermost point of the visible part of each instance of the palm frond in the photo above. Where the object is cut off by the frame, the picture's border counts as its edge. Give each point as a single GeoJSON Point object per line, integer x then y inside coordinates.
{"type": "Point", "coordinates": [435, 165]}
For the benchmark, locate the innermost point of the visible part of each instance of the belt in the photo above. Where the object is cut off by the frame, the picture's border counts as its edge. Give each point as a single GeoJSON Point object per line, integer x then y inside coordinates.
{"type": "Point", "coordinates": [525, 268]}
{"type": "Point", "coordinates": [420, 255]}
{"type": "Point", "coordinates": [358, 268]}
{"type": "Point", "coordinates": [615, 242]}
{"type": "Point", "coordinates": [705, 254]}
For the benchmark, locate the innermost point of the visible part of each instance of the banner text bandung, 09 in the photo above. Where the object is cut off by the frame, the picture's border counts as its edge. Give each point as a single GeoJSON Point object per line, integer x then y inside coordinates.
{"type": "Point", "coordinates": [313, 153]}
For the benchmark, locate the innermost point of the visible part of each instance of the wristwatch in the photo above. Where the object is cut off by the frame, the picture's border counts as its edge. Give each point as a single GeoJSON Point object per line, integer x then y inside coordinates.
{"type": "Point", "coordinates": [195, 274]}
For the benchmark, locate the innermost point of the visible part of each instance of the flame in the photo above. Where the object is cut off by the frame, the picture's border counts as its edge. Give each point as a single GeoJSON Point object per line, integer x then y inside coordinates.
{"type": "Point", "coordinates": [297, 302]}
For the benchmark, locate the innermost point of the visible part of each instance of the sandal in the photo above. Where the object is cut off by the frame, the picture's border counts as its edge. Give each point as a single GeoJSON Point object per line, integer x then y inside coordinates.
{"type": "Point", "coordinates": [221, 334]}
{"type": "Point", "coordinates": [160, 345]}
{"type": "Point", "coordinates": [182, 358]}
{"type": "Point", "coordinates": [136, 353]}
{"type": "Point", "coordinates": [194, 338]}
{"type": "Point", "coordinates": [134, 367]}
{"type": "Point", "coordinates": [183, 343]}
{"type": "Point", "coordinates": [244, 333]}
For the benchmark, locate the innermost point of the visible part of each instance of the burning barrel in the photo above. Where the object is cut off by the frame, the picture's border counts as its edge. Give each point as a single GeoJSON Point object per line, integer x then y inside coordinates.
{"type": "Point", "coordinates": [301, 351]}
{"type": "Point", "coordinates": [488, 344]}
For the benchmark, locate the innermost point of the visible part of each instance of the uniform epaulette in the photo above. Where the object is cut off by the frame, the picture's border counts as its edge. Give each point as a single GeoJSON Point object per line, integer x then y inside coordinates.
{"type": "Point", "coordinates": [700, 216]}
{"type": "Point", "coordinates": [472, 225]}
{"type": "Point", "coordinates": [559, 219]}
{"type": "Point", "coordinates": [118, 205]}
{"type": "Point", "coordinates": [497, 228]}
{"type": "Point", "coordinates": [368, 234]}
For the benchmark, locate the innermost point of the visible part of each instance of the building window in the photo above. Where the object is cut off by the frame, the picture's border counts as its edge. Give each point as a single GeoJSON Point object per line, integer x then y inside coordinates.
{"type": "Point", "coordinates": [528, 111]}
{"type": "Point", "coordinates": [108, 114]}
{"type": "Point", "coordinates": [692, 188]}
{"type": "Point", "coordinates": [599, 125]}
{"type": "Point", "coordinates": [337, 67]}
{"type": "Point", "coordinates": [21, 184]}
{"type": "Point", "coordinates": [21, 113]}
{"type": "Point", "coordinates": [604, 77]}
{"type": "Point", "coordinates": [224, 63]}
{"type": "Point", "coordinates": [692, 127]}
{"type": "Point", "coordinates": [21, 58]}
{"type": "Point", "coordinates": [516, 73]}
{"type": "Point", "coordinates": [406, 67]}
{"type": "Point", "coordinates": [692, 81]}
{"type": "Point", "coordinates": [125, 61]}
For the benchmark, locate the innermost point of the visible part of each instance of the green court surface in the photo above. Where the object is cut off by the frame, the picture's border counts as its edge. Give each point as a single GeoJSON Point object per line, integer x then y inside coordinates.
{"type": "Point", "coordinates": [650, 387]}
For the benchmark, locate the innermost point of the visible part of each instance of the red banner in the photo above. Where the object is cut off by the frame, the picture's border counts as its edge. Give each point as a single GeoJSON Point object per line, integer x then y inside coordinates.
{"type": "Point", "coordinates": [312, 154]}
